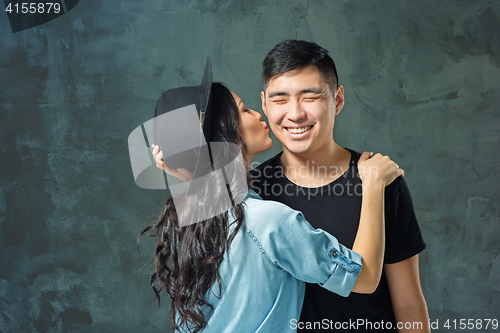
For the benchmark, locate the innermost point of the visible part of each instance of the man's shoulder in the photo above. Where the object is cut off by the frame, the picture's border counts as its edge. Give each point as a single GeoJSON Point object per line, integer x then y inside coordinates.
{"type": "Point", "coordinates": [393, 187]}
{"type": "Point", "coordinates": [271, 163]}
{"type": "Point", "coordinates": [354, 156]}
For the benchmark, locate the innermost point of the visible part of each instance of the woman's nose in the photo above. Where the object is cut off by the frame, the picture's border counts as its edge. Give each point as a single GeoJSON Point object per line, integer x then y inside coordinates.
{"type": "Point", "coordinates": [256, 114]}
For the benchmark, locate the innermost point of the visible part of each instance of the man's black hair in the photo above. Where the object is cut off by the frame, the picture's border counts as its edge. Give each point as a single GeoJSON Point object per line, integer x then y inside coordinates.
{"type": "Point", "coordinates": [294, 54]}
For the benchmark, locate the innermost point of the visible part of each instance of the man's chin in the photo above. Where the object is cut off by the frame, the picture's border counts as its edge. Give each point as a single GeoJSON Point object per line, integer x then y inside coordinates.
{"type": "Point", "coordinates": [297, 150]}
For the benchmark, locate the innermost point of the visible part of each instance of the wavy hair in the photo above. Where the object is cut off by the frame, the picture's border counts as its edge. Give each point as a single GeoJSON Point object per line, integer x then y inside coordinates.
{"type": "Point", "coordinates": [187, 258]}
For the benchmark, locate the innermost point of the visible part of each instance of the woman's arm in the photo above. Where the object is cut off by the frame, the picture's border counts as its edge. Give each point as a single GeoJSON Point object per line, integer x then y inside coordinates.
{"type": "Point", "coordinates": [376, 173]}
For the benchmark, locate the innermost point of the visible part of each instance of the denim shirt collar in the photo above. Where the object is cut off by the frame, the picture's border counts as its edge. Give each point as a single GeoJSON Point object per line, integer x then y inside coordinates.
{"type": "Point", "coordinates": [253, 194]}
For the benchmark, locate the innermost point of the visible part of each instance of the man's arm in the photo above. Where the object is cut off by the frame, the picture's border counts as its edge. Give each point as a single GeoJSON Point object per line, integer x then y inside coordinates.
{"type": "Point", "coordinates": [407, 298]}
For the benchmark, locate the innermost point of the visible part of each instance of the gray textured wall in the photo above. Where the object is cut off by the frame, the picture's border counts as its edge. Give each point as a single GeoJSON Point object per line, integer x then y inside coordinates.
{"type": "Point", "coordinates": [422, 85]}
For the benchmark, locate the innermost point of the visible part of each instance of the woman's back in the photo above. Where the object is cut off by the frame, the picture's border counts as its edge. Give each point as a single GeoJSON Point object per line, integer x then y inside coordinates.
{"type": "Point", "coordinates": [262, 274]}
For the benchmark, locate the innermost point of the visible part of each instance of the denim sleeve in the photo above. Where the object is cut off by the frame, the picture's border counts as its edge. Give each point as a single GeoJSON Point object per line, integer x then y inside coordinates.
{"type": "Point", "coordinates": [313, 256]}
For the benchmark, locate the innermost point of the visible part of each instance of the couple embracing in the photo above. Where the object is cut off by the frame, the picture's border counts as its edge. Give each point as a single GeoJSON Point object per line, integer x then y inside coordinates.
{"type": "Point", "coordinates": [325, 239]}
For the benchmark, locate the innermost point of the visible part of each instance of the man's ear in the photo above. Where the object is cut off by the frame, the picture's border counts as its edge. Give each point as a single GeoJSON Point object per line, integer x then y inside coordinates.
{"type": "Point", "coordinates": [263, 98]}
{"type": "Point", "coordinates": [339, 99]}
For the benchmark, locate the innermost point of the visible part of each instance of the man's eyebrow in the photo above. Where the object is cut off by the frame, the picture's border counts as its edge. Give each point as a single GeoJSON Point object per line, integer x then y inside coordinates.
{"type": "Point", "coordinates": [275, 93]}
{"type": "Point", "coordinates": [314, 90]}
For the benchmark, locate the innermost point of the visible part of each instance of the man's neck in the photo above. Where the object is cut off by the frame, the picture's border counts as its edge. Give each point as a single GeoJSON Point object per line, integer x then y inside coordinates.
{"type": "Point", "coordinates": [315, 168]}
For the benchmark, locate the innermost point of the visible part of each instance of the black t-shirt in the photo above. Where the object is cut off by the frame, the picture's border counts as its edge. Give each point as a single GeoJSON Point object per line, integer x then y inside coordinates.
{"type": "Point", "coordinates": [336, 208]}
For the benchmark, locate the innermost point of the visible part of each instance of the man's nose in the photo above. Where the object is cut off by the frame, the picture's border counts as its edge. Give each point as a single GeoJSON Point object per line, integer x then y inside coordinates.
{"type": "Point", "coordinates": [295, 111]}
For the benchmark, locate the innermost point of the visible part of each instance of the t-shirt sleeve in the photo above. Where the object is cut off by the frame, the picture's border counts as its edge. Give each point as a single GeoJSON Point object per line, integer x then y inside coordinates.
{"type": "Point", "coordinates": [403, 236]}
{"type": "Point", "coordinates": [313, 256]}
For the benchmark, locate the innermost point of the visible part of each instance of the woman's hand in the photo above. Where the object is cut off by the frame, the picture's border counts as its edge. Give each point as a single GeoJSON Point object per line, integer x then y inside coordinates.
{"type": "Point", "coordinates": [378, 169]}
{"type": "Point", "coordinates": [180, 173]}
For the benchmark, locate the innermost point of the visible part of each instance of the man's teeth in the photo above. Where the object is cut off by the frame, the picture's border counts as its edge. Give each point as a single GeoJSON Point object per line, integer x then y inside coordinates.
{"type": "Point", "coordinates": [298, 130]}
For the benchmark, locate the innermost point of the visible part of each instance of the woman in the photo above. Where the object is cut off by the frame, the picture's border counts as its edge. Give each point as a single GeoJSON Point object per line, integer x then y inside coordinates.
{"type": "Point", "coordinates": [244, 270]}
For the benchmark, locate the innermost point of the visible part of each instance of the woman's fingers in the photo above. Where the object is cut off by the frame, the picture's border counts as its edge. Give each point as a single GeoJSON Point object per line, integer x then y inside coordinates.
{"type": "Point", "coordinates": [159, 161]}
{"type": "Point", "coordinates": [365, 155]}
{"type": "Point", "coordinates": [394, 171]}
{"type": "Point", "coordinates": [378, 167]}
{"type": "Point", "coordinates": [158, 156]}
{"type": "Point", "coordinates": [180, 173]}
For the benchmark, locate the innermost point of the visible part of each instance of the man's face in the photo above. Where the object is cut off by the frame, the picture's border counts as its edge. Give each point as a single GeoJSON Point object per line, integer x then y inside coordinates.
{"type": "Point", "coordinates": [301, 110]}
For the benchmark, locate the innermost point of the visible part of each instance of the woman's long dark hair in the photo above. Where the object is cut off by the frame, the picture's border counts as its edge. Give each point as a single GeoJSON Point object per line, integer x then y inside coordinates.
{"type": "Point", "coordinates": [188, 258]}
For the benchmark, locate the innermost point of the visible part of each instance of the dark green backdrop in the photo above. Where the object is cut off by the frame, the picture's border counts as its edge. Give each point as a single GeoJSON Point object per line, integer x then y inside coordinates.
{"type": "Point", "coordinates": [421, 82]}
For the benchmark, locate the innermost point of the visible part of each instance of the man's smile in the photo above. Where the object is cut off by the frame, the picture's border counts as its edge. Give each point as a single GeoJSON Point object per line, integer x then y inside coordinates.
{"type": "Point", "coordinates": [298, 130]}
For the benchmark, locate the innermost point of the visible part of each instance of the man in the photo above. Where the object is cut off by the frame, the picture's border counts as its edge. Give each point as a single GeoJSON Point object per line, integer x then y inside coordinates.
{"type": "Point", "coordinates": [315, 175]}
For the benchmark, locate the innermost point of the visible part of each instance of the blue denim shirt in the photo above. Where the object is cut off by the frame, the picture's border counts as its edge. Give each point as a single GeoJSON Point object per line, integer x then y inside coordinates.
{"type": "Point", "coordinates": [263, 272]}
